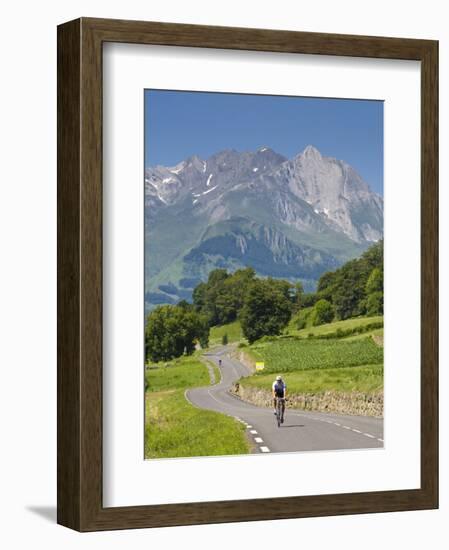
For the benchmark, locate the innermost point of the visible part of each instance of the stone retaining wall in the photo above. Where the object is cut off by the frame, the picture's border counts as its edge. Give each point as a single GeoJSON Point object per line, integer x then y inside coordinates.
{"type": "Point", "coordinates": [356, 403]}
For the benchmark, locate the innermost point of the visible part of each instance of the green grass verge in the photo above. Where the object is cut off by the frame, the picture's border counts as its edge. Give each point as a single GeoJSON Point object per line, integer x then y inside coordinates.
{"type": "Point", "coordinates": [286, 355]}
{"type": "Point", "coordinates": [217, 373]}
{"type": "Point", "coordinates": [304, 316]}
{"type": "Point", "coordinates": [215, 369]}
{"type": "Point", "coordinates": [233, 330]}
{"type": "Point", "coordinates": [366, 379]}
{"type": "Point", "coordinates": [375, 332]}
{"type": "Point", "coordinates": [184, 372]}
{"type": "Point", "coordinates": [174, 427]}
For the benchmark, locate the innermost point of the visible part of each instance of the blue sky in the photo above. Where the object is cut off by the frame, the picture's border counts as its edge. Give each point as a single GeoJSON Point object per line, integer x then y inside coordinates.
{"type": "Point", "coordinates": [181, 124]}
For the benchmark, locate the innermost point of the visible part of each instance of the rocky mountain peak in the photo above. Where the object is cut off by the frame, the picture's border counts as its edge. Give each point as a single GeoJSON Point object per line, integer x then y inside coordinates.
{"type": "Point", "coordinates": [294, 218]}
{"type": "Point", "coordinates": [310, 152]}
{"type": "Point", "coordinates": [338, 196]}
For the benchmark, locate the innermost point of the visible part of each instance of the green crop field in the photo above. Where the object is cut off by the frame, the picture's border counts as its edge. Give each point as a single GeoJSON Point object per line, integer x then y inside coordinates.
{"type": "Point", "coordinates": [312, 360]}
{"type": "Point", "coordinates": [291, 354]}
{"type": "Point", "coordinates": [174, 427]}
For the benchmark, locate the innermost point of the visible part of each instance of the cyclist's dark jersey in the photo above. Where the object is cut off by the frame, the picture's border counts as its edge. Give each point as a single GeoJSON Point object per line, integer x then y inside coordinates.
{"type": "Point", "coordinates": [279, 389]}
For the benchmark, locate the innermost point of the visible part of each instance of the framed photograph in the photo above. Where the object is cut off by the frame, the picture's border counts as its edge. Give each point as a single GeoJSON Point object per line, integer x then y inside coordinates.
{"type": "Point", "coordinates": [247, 274]}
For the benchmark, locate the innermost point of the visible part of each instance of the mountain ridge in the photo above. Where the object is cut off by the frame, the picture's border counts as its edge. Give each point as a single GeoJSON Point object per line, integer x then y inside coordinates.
{"type": "Point", "coordinates": [317, 206]}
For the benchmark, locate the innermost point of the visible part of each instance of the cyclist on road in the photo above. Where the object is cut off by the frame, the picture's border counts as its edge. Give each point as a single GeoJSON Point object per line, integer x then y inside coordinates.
{"type": "Point", "coordinates": [279, 389]}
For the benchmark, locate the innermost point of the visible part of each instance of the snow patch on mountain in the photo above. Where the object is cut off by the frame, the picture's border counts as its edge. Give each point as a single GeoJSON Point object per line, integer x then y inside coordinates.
{"type": "Point", "coordinates": [178, 168]}
{"type": "Point", "coordinates": [336, 195]}
{"type": "Point", "coordinates": [205, 192]}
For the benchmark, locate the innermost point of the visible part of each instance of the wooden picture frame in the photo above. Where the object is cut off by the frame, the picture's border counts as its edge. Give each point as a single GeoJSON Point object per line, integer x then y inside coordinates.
{"type": "Point", "coordinates": [80, 503]}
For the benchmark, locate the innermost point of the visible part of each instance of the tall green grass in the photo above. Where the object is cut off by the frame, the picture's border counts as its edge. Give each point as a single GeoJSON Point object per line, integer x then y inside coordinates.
{"type": "Point", "coordinates": [174, 427]}
{"type": "Point", "coordinates": [300, 320]}
{"type": "Point", "coordinates": [233, 330]}
{"type": "Point", "coordinates": [366, 379]}
{"type": "Point", "coordinates": [185, 372]}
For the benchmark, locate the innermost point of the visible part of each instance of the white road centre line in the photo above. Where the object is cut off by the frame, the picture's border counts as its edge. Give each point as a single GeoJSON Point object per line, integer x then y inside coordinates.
{"type": "Point", "coordinates": [253, 431]}
{"type": "Point", "coordinates": [346, 427]}
{"type": "Point", "coordinates": [356, 431]}
{"type": "Point", "coordinates": [337, 424]}
{"type": "Point", "coordinates": [213, 397]}
{"type": "Point", "coordinates": [265, 449]}
{"type": "Point", "coordinates": [258, 440]}
{"type": "Point", "coordinates": [248, 426]}
{"type": "Point", "coordinates": [369, 435]}
{"type": "Point", "coordinates": [379, 439]}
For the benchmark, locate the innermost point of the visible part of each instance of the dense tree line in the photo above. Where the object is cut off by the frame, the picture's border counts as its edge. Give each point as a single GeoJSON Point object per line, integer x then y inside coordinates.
{"type": "Point", "coordinates": [267, 308]}
{"type": "Point", "coordinates": [356, 288]}
{"type": "Point", "coordinates": [264, 306]}
{"type": "Point", "coordinates": [221, 297]}
{"type": "Point", "coordinates": [172, 330]}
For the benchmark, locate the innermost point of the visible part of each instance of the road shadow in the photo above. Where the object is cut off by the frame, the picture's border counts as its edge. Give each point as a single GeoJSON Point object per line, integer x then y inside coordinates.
{"type": "Point", "coordinates": [46, 512]}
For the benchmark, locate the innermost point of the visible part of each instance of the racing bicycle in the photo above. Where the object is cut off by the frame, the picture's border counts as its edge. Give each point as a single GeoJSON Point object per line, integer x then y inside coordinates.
{"type": "Point", "coordinates": [280, 410]}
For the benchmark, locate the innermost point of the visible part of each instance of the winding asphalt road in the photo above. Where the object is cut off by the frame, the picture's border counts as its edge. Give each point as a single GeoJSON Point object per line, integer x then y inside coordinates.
{"type": "Point", "coordinates": [301, 431]}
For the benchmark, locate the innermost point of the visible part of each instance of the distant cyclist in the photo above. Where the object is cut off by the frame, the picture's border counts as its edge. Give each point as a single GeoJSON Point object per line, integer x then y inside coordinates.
{"type": "Point", "coordinates": [219, 362]}
{"type": "Point", "coordinates": [279, 390]}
